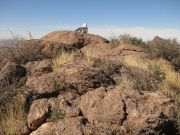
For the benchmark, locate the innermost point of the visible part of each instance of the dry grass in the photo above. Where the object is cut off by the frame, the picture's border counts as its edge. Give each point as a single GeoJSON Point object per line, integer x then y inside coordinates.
{"type": "Point", "coordinates": [135, 61]}
{"type": "Point", "coordinates": [13, 118]}
{"type": "Point", "coordinates": [88, 61]}
{"type": "Point", "coordinates": [171, 85]}
{"type": "Point", "coordinates": [172, 78]}
{"type": "Point", "coordinates": [62, 58]}
{"type": "Point", "coordinates": [126, 83]}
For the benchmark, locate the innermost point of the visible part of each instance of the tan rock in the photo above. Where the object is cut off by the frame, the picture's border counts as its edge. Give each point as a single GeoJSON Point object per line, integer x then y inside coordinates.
{"type": "Point", "coordinates": [69, 126]}
{"type": "Point", "coordinates": [38, 113]}
{"type": "Point", "coordinates": [139, 114]}
{"type": "Point", "coordinates": [47, 128]}
{"type": "Point", "coordinates": [43, 66]}
{"type": "Point", "coordinates": [99, 106]}
{"type": "Point", "coordinates": [73, 38]}
{"type": "Point", "coordinates": [79, 77]}
{"type": "Point", "coordinates": [42, 84]}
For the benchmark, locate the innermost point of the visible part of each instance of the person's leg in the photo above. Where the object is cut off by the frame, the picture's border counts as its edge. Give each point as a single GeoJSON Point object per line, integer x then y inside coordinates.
{"type": "Point", "coordinates": [78, 29]}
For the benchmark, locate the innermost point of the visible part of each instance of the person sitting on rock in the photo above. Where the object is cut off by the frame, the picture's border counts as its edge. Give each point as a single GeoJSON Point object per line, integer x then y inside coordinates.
{"type": "Point", "coordinates": [83, 28]}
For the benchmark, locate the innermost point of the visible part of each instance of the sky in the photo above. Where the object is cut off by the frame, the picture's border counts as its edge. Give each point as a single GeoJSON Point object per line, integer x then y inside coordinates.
{"type": "Point", "coordinates": [141, 18]}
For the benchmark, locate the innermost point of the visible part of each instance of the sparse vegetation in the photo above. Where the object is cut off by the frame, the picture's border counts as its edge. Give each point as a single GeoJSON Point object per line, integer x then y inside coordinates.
{"type": "Point", "coordinates": [88, 60]}
{"type": "Point", "coordinates": [59, 86]}
{"type": "Point", "coordinates": [20, 52]}
{"type": "Point", "coordinates": [126, 38]}
{"type": "Point", "coordinates": [12, 117]}
{"type": "Point", "coordinates": [62, 58]}
{"type": "Point", "coordinates": [137, 62]}
{"type": "Point", "coordinates": [170, 50]}
{"type": "Point", "coordinates": [135, 72]}
{"type": "Point", "coordinates": [158, 73]}
{"type": "Point", "coordinates": [166, 72]}
{"type": "Point", "coordinates": [56, 114]}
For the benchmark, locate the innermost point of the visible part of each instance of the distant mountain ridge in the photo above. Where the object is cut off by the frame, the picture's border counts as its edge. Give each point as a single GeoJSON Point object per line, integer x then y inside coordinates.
{"type": "Point", "coordinates": [6, 41]}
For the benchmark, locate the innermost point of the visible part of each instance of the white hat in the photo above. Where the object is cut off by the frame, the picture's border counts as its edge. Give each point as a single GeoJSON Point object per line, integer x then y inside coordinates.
{"type": "Point", "coordinates": [84, 25]}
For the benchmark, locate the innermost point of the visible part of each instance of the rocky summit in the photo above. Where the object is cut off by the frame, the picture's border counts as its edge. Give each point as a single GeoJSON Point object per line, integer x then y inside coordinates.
{"type": "Point", "coordinates": [71, 83]}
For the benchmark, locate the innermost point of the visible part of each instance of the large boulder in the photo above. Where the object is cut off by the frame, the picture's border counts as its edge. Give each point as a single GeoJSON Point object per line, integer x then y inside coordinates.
{"type": "Point", "coordinates": [135, 113]}
{"type": "Point", "coordinates": [38, 113]}
{"type": "Point", "coordinates": [75, 39]}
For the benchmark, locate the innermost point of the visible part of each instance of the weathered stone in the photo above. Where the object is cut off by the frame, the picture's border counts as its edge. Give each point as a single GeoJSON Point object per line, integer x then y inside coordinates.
{"type": "Point", "coordinates": [69, 126]}
{"type": "Point", "coordinates": [137, 113]}
{"type": "Point", "coordinates": [43, 66]}
{"type": "Point", "coordinates": [71, 38]}
{"type": "Point", "coordinates": [79, 77]}
{"type": "Point", "coordinates": [47, 128]}
{"type": "Point", "coordinates": [38, 113]}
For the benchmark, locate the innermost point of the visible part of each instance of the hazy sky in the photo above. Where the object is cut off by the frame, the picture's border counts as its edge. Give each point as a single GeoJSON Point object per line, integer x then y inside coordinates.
{"type": "Point", "coordinates": [142, 18]}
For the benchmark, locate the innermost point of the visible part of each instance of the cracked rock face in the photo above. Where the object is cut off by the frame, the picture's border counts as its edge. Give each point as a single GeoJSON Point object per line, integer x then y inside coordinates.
{"type": "Point", "coordinates": [136, 113]}
{"type": "Point", "coordinates": [101, 107]}
{"type": "Point", "coordinates": [110, 110]}
{"type": "Point", "coordinates": [78, 99]}
{"type": "Point", "coordinates": [38, 113]}
{"type": "Point", "coordinates": [103, 111]}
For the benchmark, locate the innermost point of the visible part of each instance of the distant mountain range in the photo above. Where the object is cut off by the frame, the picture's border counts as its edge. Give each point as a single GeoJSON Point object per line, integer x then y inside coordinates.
{"type": "Point", "coordinates": [6, 42]}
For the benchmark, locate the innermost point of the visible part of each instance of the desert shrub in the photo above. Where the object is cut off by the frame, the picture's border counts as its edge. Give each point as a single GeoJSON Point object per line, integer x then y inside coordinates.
{"type": "Point", "coordinates": [109, 67]}
{"type": "Point", "coordinates": [146, 75]}
{"type": "Point", "coordinates": [126, 38]}
{"type": "Point", "coordinates": [158, 73]}
{"type": "Point", "coordinates": [169, 50]}
{"type": "Point", "coordinates": [131, 39]}
{"type": "Point", "coordinates": [12, 117]}
{"type": "Point", "coordinates": [136, 80]}
{"type": "Point", "coordinates": [21, 51]}
{"type": "Point", "coordinates": [8, 91]}
{"type": "Point", "coordinates": [143, 80]}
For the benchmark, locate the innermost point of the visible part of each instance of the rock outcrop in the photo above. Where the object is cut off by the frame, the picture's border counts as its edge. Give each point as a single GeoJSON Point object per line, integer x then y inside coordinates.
{"type": "Point", "coordinates": [108, 111]}
{"type": "Point", "coordinates": [85, 96]}
{"type": "Point", "coordinates": [115, 109]}
{"type": "Point", "coordinates": [78, 77]}
{"type": "Point", "coordinates": [38, 113]}
{"type": "Point", "coordinates": [73, 38]}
